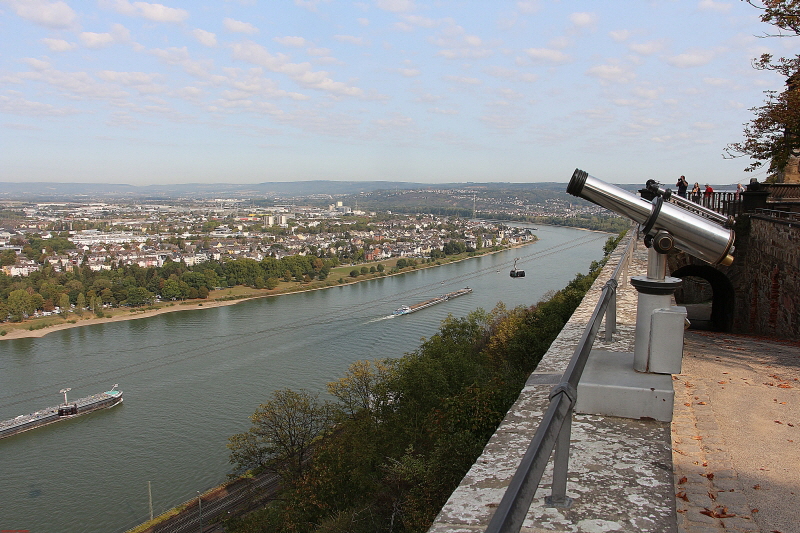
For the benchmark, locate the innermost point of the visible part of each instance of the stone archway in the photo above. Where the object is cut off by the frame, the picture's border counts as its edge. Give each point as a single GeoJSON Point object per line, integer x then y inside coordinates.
{"type": "Point", "coordinates": [722, 295]}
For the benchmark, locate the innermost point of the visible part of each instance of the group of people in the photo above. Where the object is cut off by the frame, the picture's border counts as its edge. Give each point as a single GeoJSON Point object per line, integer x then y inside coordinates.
{"type": "Point", "coordinates": [707, 193]}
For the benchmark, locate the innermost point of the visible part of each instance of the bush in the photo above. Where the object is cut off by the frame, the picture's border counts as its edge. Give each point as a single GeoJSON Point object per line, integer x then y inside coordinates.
{"type": "Point", "coordinates": [354, 273]}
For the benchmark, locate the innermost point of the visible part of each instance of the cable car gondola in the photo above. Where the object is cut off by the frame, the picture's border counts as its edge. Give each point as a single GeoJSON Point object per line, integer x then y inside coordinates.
{"type": "Point", "coordinates": [516, 272]}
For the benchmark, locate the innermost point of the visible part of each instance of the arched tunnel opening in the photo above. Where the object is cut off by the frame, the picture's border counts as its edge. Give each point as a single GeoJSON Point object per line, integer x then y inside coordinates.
{"type": "Point", "coordinates": [707, 295]}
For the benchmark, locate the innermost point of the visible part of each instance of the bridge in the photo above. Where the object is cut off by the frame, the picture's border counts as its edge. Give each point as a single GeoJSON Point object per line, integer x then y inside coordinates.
{"type": "Point", "coordinates": [699, 471]}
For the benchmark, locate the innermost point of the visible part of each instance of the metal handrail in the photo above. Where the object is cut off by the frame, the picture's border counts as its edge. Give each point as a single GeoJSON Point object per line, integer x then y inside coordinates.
{"type": "Point", "coordinates": [555, 428]}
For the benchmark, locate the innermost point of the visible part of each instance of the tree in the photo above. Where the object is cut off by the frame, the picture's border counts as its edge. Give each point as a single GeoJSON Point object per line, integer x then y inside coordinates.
{"type": "Point", "coordinates": [63, 303]}
{"type": "Point", "coordinates": [19, 304]}
{"type": "Point", "coordinates": [773, 136]}
{"type": "Point", "coordinates": [282, 433]}
{"type": "Point", "coordinates": [81, 304]}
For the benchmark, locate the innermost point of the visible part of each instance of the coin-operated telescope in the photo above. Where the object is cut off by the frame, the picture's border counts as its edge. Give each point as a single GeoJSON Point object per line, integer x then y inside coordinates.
{"type": "Point", "coordinates": [659, 348]}
{"type": "Point", "coordinates": [690, 232]}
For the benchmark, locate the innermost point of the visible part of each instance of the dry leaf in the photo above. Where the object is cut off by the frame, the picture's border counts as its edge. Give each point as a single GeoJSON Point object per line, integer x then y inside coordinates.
{"type": "Point", "coordinates": [757, 487]}
{"type": "Point", "coordinates": [682, 480]}
{"type": "Point", "coordinates": [712, 495]}
{"type": "Point", "coordinates": [710, 475]}
{"type": "Point", "coordinates": [682, 496]}
{"type": "Point", "coordinates": [701, 403]}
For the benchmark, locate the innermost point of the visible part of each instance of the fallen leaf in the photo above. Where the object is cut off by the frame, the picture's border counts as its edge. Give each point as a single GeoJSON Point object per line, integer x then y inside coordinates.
{"type": "Point", "coordinates": [757, 487]}
{"type": "Point", "coordinates": [682, 480]}
{"type": "Point", "coordinates": [718, 512]}
{"type": "Point", "coordinates": [790, 424]}
{"type": "Point", "coordinates": [778, 422]}
{"type": "Point", "coordinates": [722, 382]}
{"type": "Point", "coordinates": [712, 495]}
{"type": "Point", "coordinates": [770, 384]}
{"type": "Point", "coordinates": [701, 403]}
{"type": "Point", "coordinates": [784, 386]}
{"type": "Point", "coordinates": [754, 510]}
{"type": "Point", "coordinates": [697, 437]}
{"type": "Point", "coordinates": [682, 496]}
{"type": "Point", "coordinates": [688, 404]}
{"type": "Point", "coordinates": [710, 475]}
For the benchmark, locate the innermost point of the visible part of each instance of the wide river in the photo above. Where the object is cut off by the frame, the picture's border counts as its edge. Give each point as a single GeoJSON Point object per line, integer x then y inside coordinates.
{"type": "Point", "coordinates": [192, 378]}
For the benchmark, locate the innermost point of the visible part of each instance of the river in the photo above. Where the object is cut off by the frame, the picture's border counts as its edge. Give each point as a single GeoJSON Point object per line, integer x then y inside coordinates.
{"type": "Point", "coordinates": [192, 378]}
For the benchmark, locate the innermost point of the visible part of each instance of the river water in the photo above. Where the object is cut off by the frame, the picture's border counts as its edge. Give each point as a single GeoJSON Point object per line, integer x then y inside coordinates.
{"type": "Point", "coordinates": [192, 378]}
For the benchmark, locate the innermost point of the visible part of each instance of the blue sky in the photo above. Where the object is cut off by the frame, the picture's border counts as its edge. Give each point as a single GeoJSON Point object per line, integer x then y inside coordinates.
{"type": "Point", "coordinates": [122, 91]}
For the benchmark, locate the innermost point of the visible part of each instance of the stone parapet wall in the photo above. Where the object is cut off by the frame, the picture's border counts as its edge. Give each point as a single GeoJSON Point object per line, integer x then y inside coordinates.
{"type": "Point", "coordinates": [768, 288]}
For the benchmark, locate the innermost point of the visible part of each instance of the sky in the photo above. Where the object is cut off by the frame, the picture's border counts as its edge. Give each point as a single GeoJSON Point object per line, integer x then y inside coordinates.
{"type": "Point", "coordinates": [251, 91]}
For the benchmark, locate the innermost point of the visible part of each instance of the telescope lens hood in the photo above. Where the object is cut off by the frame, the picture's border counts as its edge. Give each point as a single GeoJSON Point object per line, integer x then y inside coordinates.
{"type": "Point", "coordinates": [577, 182]}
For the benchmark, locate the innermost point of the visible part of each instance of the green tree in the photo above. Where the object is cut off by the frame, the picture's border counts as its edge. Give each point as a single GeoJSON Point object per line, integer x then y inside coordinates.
{"type": "Point", "coordinates": [354, 273]}
{"type": "Point", "coordinates": [19, 305]}
{"type": "Point", "coordinates": [138, 296]}
{"type": "Point", "coordinates": [283, 430]}
{"type": "Point", "coordinates": [81, 304]}
{"type": "Point", "coordinates": [63, 303]}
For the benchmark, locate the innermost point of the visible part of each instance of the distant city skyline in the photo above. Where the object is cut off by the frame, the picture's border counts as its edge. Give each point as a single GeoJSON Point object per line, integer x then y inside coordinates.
{"type": "Point", "coordinates": [247, 91]}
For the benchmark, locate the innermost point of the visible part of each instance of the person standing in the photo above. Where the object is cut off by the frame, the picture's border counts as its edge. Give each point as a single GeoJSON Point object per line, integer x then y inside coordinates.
{"type": "Point", "coordinates": [738, 194]}
{"type": "Point", "coordinates": [682, 186]}
{"type": "Point", "coordinates": [707, 196]}
{"type": "Point", "coordinates": [696, 193]}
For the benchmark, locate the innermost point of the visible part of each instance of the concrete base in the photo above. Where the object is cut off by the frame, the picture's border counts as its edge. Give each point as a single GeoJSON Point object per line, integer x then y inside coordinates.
{"type": "Point", "coordinates": [610, 386]}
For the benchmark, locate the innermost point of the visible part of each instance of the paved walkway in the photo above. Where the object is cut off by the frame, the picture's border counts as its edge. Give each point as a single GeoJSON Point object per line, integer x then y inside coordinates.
{"type": "Point", "coordinates": [736, 435]}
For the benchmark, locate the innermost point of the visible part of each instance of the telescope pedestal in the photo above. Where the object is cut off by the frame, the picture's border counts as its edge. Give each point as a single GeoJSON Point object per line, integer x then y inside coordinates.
{"type": "Point", "coordinates": [653, 295]}
{"type": "Point", "coordinates": [611, 387]}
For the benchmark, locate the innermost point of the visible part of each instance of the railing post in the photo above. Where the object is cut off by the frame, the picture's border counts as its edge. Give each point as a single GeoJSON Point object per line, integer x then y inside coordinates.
{"type": "Point", "coordinates": [611, 317]}
{"type": "Point", "coordinates": [558, 493]}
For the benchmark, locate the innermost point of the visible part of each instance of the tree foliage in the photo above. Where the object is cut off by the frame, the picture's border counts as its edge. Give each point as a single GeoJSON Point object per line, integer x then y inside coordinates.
{"type": "Point", "coordinates": [773, 136]}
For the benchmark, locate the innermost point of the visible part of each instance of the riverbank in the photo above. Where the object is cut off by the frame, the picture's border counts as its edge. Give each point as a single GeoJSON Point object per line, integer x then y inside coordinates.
{"type": "Point", "coordinates": [217, 298]}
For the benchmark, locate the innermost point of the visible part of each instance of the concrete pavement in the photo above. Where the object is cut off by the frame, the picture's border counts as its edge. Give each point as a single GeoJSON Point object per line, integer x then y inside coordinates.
{"type": "Point", "coordinates": [736, 435]}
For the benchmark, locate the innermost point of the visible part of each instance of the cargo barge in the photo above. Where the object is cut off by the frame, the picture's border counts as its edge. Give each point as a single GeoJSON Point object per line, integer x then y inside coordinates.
{"type": "Point", "coordinates": [65, 411]}
{"type": "Point", "coordinates": [408, 309]}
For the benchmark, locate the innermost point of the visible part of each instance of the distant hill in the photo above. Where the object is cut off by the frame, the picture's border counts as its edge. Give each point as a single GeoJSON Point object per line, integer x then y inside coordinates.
{"type": "Point", "coordinates": [55, 192]}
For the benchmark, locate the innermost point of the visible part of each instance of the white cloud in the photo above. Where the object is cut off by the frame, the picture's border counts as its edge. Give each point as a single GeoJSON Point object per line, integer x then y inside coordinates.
{"type": "Point", "coordinates": [396, 6]}
{"type": "Point", "coordinates": [237, 26]}
{"type": "Point", "coordinates": [510, 74]}
{"type": "Point", "coordinates": [408, 72]}
{"type": "Point", "coordinates": [16, 104]}
{"type": "Point", "coordinates": [694, 58]}
{"type": "Point", "coordinates": [295, 42]}
{"type": "Point", "coordinates": [463, 80]}
{"type": "Point", "coordinates": [583, 20]}
{"type": "Point", "coordinates": [547, 54]}
{"type": "Point", "coordinates": [620, 35]}
{"type": "Point", "coordinates": [649, 94]}
{"type": "Point", "coordinates": [119, 33]}
{"type": "Point", "coordinates": [311, 5]}
{"type": "Point", "coordinates": [711, 5]}
{"type": "Point", "coordinates": [611, 73]}
{"type": "Point", "coordinates": [37, 64]}
{"type": "Point", "coordinates": [363, 21]}
{"type": "Point", "coordinates": [56, 15]}
{"type": "Point", "coordinates": [358, 41]}
{"type": "Point", "coordinates": [90, 39]}
{"type": "Point", "coordinates": [154, 12]}
{"type": "Point", "coordinates": [58, 45]}
{"type": "Point", "coordinates": [528, 7]}
{"type": "Point", "coordinates": [704, 125]}
{"type": "Point", "coordinates": [717, 82]}
{"type": "Point", "coordinates": [647, 48]}
{"type": "Point", "coordinates": [301, 73]}
{"type": "Point", "coordinates": [318, 51]}
{"type": "Point", "coordinates": [204, 37]}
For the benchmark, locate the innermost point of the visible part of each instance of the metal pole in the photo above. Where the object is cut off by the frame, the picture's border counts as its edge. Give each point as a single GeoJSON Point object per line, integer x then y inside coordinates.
{"type": "Point", "coordinates": [558, 493]}
{"type": "Point", "coordinates": [611, 317]}
{"type": "Point", "coordinates": [150, 499]}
